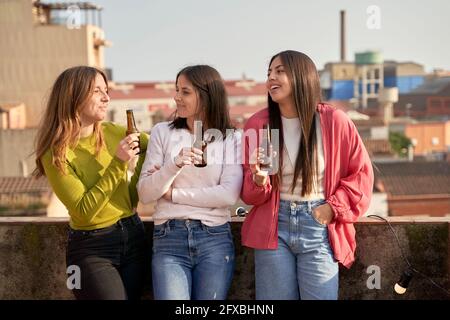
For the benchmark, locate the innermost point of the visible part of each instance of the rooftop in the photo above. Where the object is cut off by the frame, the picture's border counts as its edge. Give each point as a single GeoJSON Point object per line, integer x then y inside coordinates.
{"type": "Point", "coordinates": [432, 86]}
{"type": "Point", "coordinates": [414, 178]}
{"type": "Point", "coordinates": [155, 90]}
{"type": "Point", "coordinates": [66, 5]}
{"type": "Point", "coordinates": [13, 185]}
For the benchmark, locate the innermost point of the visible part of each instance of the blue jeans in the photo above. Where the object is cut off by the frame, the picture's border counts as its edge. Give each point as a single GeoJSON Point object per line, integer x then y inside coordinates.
{"type": "Point", "coordinates": [303, 266]}
{"type": "Point", "coordinates": [192, 261]}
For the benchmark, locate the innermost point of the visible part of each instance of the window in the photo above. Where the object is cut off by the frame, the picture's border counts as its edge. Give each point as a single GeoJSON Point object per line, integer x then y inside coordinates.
{"type": "Point", "coordinates": [435, 141]}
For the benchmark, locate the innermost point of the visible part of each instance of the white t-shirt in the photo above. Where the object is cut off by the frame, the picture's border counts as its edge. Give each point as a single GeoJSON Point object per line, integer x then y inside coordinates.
{"type": "Point", "coordinates": [291, 135]}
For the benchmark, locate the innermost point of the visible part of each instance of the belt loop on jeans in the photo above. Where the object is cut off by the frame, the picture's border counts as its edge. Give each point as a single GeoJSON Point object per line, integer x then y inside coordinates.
{"type": "Point", "coordinates": [309, 206]}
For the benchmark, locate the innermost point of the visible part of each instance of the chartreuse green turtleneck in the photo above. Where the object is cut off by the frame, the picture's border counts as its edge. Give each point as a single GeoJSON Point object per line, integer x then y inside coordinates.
{"type": "Point", "coordinates": [95, 190]}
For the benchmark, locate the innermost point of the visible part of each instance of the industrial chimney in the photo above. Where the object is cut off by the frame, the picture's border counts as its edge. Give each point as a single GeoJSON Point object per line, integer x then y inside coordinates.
{"type": "Point", "coordinates": [342, 35]}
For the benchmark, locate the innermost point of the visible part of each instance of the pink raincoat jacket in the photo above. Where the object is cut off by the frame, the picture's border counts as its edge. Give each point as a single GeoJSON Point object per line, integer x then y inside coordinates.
{"type": "Point", "coordinates": [348, 183]}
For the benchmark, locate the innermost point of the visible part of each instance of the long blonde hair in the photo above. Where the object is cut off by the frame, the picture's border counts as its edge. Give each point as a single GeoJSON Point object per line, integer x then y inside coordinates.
{"type": "Point", "coordinates": [61, 125]}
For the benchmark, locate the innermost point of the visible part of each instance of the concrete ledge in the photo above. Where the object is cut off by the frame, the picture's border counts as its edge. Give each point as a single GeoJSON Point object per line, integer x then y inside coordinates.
{"type": "Point", "coordinates": [32, 259]}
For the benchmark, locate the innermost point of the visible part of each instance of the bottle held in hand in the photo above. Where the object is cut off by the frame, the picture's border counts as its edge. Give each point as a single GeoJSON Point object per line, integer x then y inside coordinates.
{"type": "Point", "coordinates": [199, 143]}
{"type": "Point", "coordinates": [266, 143]}
{"type": "Point", "coordinates": [131, 125]}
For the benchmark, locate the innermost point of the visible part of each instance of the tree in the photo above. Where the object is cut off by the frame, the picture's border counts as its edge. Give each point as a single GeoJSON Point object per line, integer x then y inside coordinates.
{"type": "Point", "coordinates": [399, 143]}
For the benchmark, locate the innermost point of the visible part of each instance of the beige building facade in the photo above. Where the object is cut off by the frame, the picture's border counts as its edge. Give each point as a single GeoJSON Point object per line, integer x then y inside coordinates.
{"type": "Point", "coordinates": [35, 48]}
{"type": "Point", "coordinates": [429, 137]}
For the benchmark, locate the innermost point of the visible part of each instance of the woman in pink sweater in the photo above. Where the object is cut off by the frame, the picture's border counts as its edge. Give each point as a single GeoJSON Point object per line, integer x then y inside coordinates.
{"type": "Point", "coordinates": [301, 223]}
{"type": "Point", "coordinates": [193, 249]}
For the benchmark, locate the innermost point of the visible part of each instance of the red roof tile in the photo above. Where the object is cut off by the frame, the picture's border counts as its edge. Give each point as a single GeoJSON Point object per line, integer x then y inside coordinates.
{"type": "Point", "coordinates": [23, 185]}
{"type": "Point", "coordinates": [155, 90]}
{"type": "Point", "coordinates": [377, 147]}
{"type": "Point", "coordinates": [414, 178]}
{"type": "Point", "coordinates": [244, 110]}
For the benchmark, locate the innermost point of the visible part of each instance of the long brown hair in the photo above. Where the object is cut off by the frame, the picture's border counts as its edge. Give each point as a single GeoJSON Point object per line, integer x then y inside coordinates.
{"type": "Point", "coordinates": [212, 95]}
{"type": "Point", "coordinates": [61, 125]}
{"type": "Point", "coordinates": [306, 94]}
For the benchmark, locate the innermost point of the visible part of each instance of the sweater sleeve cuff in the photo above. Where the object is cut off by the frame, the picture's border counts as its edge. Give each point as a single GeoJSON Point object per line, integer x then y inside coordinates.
{"type": "Point", "coordinates": [175, 194]}
{"type": "Point", "coordinates": [339, 209]}
{"type": "Point", "coordinates": [172, 167]}
{"type": "Point", "coordinates": [116, 162]}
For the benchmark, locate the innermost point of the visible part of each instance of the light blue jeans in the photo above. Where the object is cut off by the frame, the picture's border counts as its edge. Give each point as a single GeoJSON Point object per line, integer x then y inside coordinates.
{"type": "Point", "coordinates": [192, 261]}
{"type": "Point", "coordinates": [303, 266]}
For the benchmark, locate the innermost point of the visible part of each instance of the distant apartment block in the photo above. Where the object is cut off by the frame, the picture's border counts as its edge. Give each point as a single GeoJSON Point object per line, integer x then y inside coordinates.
{"type": "Point", "coordinates": [12, 116]}
{"type": "Point", "coordinates": [352, 80]}
{"type": "Point", "coordinates": [431, 99]}
{"type": "Point", "coordinates": [429, 137]}
{"type": "Point", "coordinates": [154, 101]}
{"type": "Point", "coordinates": [37, 42]}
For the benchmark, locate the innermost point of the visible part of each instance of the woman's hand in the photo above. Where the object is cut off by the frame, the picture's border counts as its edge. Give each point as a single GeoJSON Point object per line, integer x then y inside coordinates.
{"type": "Point", "coordinates": [168, 194]}
{"type": "Point", "coordinates": [323, 214]}
{"type": "Point", "coordinates": [128, 147]}
{"type": "Point", "coordinates": [187, 156]}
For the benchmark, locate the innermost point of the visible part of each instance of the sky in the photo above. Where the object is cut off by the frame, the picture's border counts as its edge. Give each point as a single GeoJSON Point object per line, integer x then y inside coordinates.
{"type": "Point", "coordinates": [154, 39]}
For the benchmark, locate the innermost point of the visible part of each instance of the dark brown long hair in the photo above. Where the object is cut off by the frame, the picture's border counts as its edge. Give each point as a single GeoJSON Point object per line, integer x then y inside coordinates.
{"type": "Point", "coordinates": [306, 94]}
{"type": "Point", "coordinates": [61, 125]}
{"type": "Point", "coordinates": [213, 101]}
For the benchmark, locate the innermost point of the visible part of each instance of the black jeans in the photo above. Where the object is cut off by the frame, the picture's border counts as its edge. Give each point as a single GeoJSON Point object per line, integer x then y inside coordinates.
{"type": "Point", "coordinates": [112, 261]}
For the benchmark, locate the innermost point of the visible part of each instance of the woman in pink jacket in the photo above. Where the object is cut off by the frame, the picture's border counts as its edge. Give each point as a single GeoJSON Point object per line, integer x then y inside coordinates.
{"type": "Point", "coordinates": [301, 223]}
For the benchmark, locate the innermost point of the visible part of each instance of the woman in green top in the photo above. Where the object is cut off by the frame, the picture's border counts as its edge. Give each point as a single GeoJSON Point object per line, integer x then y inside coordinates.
{"type": "Point", "coordinates": [86, 162]}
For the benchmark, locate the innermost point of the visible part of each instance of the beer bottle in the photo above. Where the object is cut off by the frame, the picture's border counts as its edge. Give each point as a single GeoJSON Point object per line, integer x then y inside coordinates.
{"type": "Point", "coordinates": [266, 144]}
{"type": "Point", "coordinates": [131, 125]}
{"type": "Point", "coordinates": [199, 143]}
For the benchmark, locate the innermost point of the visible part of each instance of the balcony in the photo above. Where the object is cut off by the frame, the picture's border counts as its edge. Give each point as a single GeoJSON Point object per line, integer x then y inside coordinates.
{"type": "Point", "coordinates": [32, 259]}
{"type": "Point", "coordinates": [81, 13]}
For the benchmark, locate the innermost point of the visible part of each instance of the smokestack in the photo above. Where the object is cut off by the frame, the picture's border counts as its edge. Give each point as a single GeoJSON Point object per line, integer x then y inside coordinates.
{"type": "Point", "coordinates": [342, 35]}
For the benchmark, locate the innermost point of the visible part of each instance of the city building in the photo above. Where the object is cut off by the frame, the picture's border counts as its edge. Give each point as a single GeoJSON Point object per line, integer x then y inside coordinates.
{"type": "Point", "coordinates": [344, 80]}
{"type": "Point", "coordinates": [415, 187]}
{"type": "Point", "coordinates": [27, 196]}
{"type": "Point", "coordinates": [38, 41]}
{"type": "Point", "coordinates": [154, 101]}
{"type": "Point", "coordinates": [12, 116]}
{"type": "Point", "coordinates": [429, 137]}
{"type": "Point", "coordinates": [429, 100]}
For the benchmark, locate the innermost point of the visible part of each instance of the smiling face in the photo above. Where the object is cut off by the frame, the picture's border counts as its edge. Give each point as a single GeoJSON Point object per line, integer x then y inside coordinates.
{"type": "Point", "coordinates": [97, 104]}
{"type": "Point", "coordinates": [278, 83]}
{"type": "Point", "coordinates": [186, 98]}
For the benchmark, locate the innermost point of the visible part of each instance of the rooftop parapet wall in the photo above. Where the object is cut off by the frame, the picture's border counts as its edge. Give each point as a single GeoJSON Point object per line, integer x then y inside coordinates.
{"type": "Point", "coordinates": [32, 259]}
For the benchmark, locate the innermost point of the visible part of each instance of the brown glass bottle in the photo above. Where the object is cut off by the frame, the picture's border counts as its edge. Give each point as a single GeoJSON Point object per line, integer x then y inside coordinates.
{"type": "Point", "coordinates": [131, 126]}
{"type": "Point", "coordinates": [200, 143]}
{"type": "Point", "coordinates": [266, 144]}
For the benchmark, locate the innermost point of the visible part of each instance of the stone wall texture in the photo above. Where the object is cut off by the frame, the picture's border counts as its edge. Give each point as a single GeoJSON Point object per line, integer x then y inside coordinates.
{"type": "Point", "coordinates": [32, 259]}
